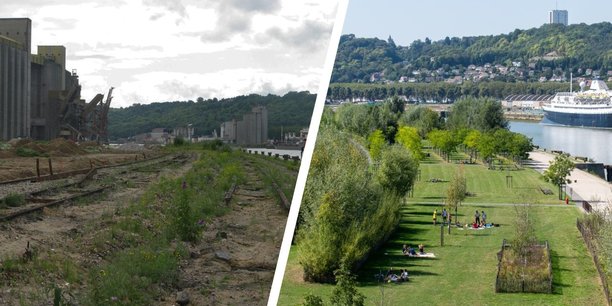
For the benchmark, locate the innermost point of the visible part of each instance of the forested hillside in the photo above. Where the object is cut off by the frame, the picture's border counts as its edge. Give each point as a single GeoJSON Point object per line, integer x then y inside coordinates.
{"type": "Point", "coordinates": [549, 49]}
{"type": "Point", "coordinates": [291, 112]}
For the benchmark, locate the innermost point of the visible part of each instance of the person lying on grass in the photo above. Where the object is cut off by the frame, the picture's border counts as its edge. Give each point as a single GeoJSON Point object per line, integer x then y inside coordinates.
{"type": "Point", "coordinates": [408, 250]}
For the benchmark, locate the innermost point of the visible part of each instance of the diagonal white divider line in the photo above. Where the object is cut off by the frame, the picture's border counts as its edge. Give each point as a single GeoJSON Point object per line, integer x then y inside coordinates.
{"type": "Point", "coordinates": [313, 130]}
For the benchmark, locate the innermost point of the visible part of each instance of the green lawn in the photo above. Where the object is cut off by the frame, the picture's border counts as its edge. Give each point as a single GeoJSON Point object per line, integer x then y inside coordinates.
{"type": "Point", "coordinates": [487, 186]}
{"type": "Point", "coordinates": [464, 270]}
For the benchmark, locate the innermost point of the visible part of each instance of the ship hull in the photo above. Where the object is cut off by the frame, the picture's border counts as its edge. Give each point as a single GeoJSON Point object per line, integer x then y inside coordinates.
{"type": "Point", "coordinates": [583, 120]}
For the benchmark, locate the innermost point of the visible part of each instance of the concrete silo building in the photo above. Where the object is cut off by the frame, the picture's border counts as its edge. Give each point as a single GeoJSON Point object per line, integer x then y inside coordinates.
{"type": "Point", "coordinates": [15, 58]}
{"type": "Point", "coordinates": [251, 130]}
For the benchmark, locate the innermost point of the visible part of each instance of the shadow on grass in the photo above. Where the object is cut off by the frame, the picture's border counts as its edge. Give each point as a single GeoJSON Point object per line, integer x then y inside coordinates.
{"type": "Point", "coordinates": [558, 284]}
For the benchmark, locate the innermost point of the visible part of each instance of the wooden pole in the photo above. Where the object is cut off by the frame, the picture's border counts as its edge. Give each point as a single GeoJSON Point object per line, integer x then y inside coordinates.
{"type": "Point", "coordinates": [37, 167]}
{"type": "Point", "coordinates": [50, 167]}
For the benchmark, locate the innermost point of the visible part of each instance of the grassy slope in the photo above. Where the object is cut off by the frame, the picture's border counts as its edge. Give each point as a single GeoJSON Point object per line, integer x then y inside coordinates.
{"type": "Point", "coordinates": [464, 271]}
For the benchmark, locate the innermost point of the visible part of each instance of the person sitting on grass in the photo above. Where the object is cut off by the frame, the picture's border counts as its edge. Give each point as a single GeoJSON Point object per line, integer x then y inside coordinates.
{"type": "Point", "coordinates": [421, 249]}
{"type": "Point", "coordinates": [392, 277]}
{"type": "Point", "coordinates": [405, 249]}
{"type": "Point", "coordinates": [404, 275]}
{"type": "Point", "coordinates": [411, 251]}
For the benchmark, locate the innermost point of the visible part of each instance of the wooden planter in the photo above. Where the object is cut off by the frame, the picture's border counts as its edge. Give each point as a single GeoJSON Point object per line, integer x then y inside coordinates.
{"type": "Point", "coordinates": [532, 274]}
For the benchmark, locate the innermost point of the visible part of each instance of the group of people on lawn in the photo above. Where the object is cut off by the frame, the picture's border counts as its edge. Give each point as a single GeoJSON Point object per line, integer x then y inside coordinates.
{"type": "Point", "coordinates": [410, 251]}
{"type": "Point", "coordinates": [392, 277]}
{"type": "Point", "coordinates": [445, 215]}
{"type": "Point", "coordinates": [480, 218]}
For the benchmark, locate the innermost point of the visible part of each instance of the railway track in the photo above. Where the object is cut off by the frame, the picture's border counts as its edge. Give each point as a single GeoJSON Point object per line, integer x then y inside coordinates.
{"type": "Point", "coordinates": [39, 195]}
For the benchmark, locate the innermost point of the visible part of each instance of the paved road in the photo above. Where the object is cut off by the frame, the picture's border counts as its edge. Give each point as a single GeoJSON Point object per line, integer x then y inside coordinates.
{"type": "Point", "coordinates": [584, 186]}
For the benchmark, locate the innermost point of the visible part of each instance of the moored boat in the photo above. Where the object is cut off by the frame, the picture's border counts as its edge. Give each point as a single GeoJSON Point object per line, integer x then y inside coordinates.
{"type": "Point", "coordinates": [587, 108]}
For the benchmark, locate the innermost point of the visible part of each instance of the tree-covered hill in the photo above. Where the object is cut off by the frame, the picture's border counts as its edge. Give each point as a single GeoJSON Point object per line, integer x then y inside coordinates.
{"type": "Point", "coordinates": [291, 112]}
{"type": "Point", "coordinates": [548, 48]}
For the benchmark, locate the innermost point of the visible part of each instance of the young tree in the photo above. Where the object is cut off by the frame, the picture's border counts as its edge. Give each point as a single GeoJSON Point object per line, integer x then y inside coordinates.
{"type": "Point", "coordinates": [345, 292]}
{"type": "Point", "coordinates": [457, 190]}
{"type": "Point", "coordinates": [558, 171]}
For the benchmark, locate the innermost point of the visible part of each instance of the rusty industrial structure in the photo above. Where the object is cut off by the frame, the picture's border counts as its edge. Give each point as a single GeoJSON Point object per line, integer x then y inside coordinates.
{"type": "Point", "coordinates": [39, 98]}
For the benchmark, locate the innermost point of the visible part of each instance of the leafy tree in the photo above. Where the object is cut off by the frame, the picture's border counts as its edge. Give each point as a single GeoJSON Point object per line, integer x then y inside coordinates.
{"type": "Point", "coordinates": [444, 141]}
{"type": "Point", "coordinates": [397, 105]}
{"type": "Point", "coordinates": [482, 114]}
{"type": "Point", "coordinates": [486, 147]}
{"type": "Point", "coordinates": [520, 146]}
{"type": "Point", "coordinates": [410, 139]}
{"type": "Point", "coordinates": [471, 141]}
{"type": "Point", "coordinates": [558, 171]}
{"type": "Point", "coordinates": [423, 118]}
{"type": "Point", "coordinates": [376, 143]}
{"type": "Point", "coordinates": [355, 119]}
{"type": "Point", "coordinates": [397, 170]}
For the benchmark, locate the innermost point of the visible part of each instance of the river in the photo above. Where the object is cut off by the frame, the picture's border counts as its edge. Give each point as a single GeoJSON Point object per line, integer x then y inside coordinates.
{"type": "Point", "coordinates": [585, 142]}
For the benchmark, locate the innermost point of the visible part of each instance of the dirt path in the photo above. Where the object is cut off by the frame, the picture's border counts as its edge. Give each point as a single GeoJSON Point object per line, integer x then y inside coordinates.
{"type": "Point", "coordinates": [66, 232]}
{"type": "Point", "coordinates": [234, 262]}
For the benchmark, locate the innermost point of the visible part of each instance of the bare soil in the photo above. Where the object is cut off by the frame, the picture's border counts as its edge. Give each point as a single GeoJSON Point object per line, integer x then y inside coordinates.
{"type": "Point", "coordinates": [233, 264]}
{"type": "Point", "coordinates": [21, 167]}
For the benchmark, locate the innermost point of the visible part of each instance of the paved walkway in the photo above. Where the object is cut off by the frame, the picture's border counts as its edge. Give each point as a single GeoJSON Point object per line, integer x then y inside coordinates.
{"type": "Point", "coordinates": [584, 186]}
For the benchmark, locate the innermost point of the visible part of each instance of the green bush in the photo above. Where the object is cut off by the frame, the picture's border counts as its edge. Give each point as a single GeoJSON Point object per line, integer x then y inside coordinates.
{"type": "Point", "coordinates": [27, 152]}
{"type": "Point", "coordinates": [179, 141]}
{"type": "Point", "coordinates": [312, 300]}
{"type": "Point", "coordinates": [215, 145]}
{"type": "Point", "coordinates": [14, 200]}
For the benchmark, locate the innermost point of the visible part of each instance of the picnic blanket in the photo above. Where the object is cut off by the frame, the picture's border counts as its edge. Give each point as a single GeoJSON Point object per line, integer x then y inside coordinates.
{"type": "Point", "coordinates": [428, 255]}
{"type": "Point", "coordinates": [479, 228]}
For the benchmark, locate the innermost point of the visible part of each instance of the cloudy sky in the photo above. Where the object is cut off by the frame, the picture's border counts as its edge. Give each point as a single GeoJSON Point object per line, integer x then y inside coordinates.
{"type": "Point", "coordinates": [170, 50]}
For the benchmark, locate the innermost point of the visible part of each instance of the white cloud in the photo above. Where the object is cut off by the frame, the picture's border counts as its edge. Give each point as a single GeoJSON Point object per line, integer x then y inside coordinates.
{"type": "Point", "coordinates": [142, 47]}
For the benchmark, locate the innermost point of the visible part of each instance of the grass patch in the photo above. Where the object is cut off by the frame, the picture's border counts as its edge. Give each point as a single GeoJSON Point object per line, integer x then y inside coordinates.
{"type": "Point", "coordinates": [484, 186]}
{"type": "Point", "coordinates": [27, 152]}
{"type": "Point", "coordinates": [465, 268]}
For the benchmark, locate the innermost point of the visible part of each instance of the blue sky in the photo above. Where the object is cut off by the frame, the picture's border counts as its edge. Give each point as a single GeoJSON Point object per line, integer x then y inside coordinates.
{"type": "Point", "coordinates": [407, 21]}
